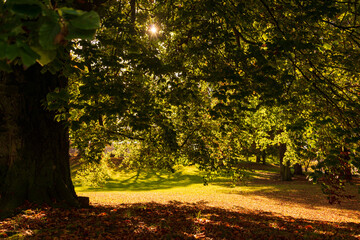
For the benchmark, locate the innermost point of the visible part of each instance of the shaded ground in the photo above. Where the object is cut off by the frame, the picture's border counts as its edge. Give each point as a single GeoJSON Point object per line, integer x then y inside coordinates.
{"type": "Point", "coordinates": [174, 220]}
{"type": "Point", "coordinates": [156, 206]}
{"type": "Point", "coordinates": [264, 192]}
{"type": "Point", "coordinates": [278, 203]}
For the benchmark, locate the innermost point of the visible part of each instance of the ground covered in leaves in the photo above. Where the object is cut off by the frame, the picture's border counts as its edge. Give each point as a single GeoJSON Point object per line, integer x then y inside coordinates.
{"type": "Point", "coordinates": [181, 207]}
{"type": "Point", "coordinates": [174, 220]}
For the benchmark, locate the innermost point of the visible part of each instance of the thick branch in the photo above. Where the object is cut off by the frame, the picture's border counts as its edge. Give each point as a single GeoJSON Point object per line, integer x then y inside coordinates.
{"type": "Point", "coordinates": [133, 12]}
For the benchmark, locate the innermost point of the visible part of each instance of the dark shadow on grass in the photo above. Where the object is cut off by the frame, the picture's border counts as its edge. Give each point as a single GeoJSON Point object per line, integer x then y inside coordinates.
{"type": "Point", "coordinates": [175, 220]}
{"type": "Point", "coordinates": [266, 183]}
{"type": "Point", "coordinates": [252, 172]}
{"type": "Point", "coordinates": [300, 192]}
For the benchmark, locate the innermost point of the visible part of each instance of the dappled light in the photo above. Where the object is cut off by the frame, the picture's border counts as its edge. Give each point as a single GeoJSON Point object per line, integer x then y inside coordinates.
{"type": "Point", "coordinates": [186, 119]}
{"type": "Point", "coordinates": [264, 191]}
{"type": "Point", "coordinates": [174, 220]}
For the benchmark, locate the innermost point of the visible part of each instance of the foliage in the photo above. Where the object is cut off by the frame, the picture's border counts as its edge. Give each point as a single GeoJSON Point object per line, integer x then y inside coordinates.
{"type": "Point", "coordinates": [125, 156]}
{"type": "Point", "coordinates": [37, 31]}
{"type": "Point", "coordinates": [93, 174]}
{"type": "Point", "coordinates": [220, 80]}
{"type": "Point", "coordinates": [219, 77]}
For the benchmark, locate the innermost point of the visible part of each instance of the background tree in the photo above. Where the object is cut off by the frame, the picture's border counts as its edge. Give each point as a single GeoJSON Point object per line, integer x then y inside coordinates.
{"type": "Point", "coordinates": [278, 51]}
{"type": "Point", "coordinates": [181, 91]}
{"type": "Point", "coordinates": [293, 54]}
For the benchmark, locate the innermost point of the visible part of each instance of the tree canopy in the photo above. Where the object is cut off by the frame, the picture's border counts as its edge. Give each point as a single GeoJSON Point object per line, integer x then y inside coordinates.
{"type": "Point", "coordinates": [202, 82]}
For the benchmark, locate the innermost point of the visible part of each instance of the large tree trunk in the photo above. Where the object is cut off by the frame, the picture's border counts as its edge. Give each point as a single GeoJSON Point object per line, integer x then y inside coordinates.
{"type": "Point", "coordinates": [34, 148]}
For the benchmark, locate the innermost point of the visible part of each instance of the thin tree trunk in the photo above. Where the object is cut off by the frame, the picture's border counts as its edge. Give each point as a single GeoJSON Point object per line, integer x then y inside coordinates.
{"type": "Point", "coordinates": [298, 169]}
{"type": "Point", "coordinates": [285, 172]}
{"type": "Point", "coordinates": [258, 158]}
{"type": "Point", "coordinates": [263, 156]}
{"type": "Point", "coordinates": [34, 148]}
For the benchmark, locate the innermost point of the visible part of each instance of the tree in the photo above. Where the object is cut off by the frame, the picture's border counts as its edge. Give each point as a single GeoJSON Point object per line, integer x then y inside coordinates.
{"type": "Point", "coordinates": [236, 50]}
{"type": "Point", "coordinates": [299, 55]}
{"type": "Point", "coordinates": [34, 158]}
{"type": "Point", "coordinates": [34, 147]}
{"type": "Point", "coordinates": [210, 58]}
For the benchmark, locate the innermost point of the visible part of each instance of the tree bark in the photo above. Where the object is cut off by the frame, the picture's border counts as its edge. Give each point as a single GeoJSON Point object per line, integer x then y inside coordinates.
{"type": "Point", "coordinates": [263, 156]}
{"type": "Point", "coordinates": [258, 158]}
{"type": "Point", "coordinates": [287, 176]}
{"type": "Point", "coordinates": [285, 172]}
{"type": "Point", "coordinates": [298, 169]}
{"type": "Point", "coordinates": [34, 148]}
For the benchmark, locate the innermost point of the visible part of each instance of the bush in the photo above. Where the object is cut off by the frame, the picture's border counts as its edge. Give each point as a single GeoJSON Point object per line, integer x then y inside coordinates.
{"type": "Point", "coordinates": [93, 174]}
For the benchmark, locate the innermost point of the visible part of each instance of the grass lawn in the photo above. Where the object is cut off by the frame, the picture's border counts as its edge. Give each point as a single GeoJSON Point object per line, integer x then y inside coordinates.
{"type": "Point", "coordinates": [263, 192]}
{"type": "Point", "coordinates": [160, 205]}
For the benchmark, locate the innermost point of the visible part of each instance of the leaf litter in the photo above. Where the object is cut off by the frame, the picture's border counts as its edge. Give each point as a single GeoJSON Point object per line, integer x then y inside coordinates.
{"type": "Point", "coordinates": [190, 215]}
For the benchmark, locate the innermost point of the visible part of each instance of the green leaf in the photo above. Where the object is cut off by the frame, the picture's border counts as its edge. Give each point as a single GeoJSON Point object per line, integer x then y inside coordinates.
{"type": "Point", "coordinates": [57, 99]}
{"type": "Point", "coordinates": [4, 66]}
{"type": "Point", "coordinates": [28, 56]}
{"type": "Point", "coordinates": [29, 2]}
{"type": "Point", "coordinates": [11, 52]}
{"type": "Point", "coordinates": [69, 13]}
{"type": "Point", "coordinates": [17, 30]}
{"type": "Point", "coordinates": [3, 47]}
{"type": "Point", "coordinates": [46, 56]}
{"type": "Point", "coordinates": [327, 46]}
{"type": "Point", "coordinates": [87, 21]}
{"type": "Point", "coordinates": [47, 34]}
{"type": "Point", "coordinates": [61, 94]}
{"type": "Point", "coordinates": [29, 10]}
{"type": "Point", "coordinates": [80, 33]}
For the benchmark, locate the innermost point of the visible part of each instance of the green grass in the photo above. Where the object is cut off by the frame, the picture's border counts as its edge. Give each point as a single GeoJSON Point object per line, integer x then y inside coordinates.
{"type": "Point", "coordinates": [264, 191]}
{"type": "Point", "coordinates": [261, 180]}
{"type": "Point", "coordinates": [148, 180]}
{"type": "Point", "coordinates": [187, 179]}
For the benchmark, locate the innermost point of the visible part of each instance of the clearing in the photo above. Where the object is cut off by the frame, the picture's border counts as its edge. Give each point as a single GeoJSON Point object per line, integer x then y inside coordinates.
{"type": "Point", "coordinates": [160, 205]}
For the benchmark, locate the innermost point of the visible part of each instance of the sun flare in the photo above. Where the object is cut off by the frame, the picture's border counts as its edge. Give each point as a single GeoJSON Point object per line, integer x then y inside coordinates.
{"type": "Point", "coordinates": [153, 29]}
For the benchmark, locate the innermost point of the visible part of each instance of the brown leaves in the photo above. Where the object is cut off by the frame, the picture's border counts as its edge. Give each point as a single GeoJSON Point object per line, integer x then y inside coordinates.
{"type": "Point", "coordinates": [167, 221]}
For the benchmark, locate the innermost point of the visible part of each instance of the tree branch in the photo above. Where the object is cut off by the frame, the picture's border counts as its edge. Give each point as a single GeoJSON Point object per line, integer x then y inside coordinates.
{"type": "Point", "coordinates": [125, 135]}
{"type": "Point", "coordinates": [133, 12]}
{"type": "Point", "coordinates": [341, 27]}
{"type": "Point", "coordinates": [272, 16]}
{"type": "Point", "coordinates": [238, 35]}
{"type": "Point", "coordinates": [188, 137]}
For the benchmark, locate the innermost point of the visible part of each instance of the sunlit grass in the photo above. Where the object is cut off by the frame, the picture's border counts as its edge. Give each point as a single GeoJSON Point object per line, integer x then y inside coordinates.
{"type": "Point", "coordinates": [264, 180]}
{"type": "Point", "coordinates": [149, 180]}
{"type": "Point", "coordinates": [188, 180]}
{"type": "Point", "coordinates": [263, 191]}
